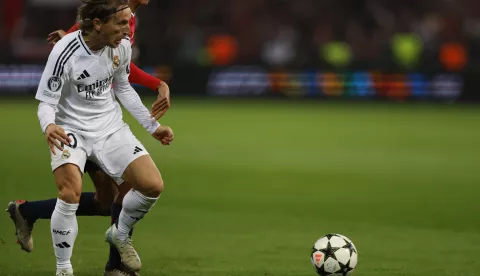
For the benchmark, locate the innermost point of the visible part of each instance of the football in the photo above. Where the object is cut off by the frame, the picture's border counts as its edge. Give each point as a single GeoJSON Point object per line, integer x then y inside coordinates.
{"type": "Point", "coordinates": [334, 255]}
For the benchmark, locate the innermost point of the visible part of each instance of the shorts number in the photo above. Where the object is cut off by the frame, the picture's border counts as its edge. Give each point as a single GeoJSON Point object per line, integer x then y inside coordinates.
{"type": "Point", "coordinates": [74, 145]}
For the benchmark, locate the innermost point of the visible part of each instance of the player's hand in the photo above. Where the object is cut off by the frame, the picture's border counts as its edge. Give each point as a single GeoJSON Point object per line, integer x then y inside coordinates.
{"type": "Point", "coordinates": [162, 104]}
{"type": "Point", "coordinates": [54, 37]}
{"type": "Point", "coordinates": [164, 134]}
{"type": "Point", "coordinates": [55, 134]}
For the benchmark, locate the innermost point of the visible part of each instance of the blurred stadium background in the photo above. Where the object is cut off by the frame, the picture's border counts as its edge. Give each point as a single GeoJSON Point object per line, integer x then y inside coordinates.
{"type": "Point", "coordinates": [265, 161]}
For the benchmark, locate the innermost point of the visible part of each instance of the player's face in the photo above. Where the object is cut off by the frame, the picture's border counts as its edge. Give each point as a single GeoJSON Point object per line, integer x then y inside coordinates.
{"type": "Point", "coordinates": [117, 28]}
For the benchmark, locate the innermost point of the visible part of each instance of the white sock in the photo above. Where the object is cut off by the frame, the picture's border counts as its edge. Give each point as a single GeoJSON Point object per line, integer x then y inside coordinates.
{"type": "Point", "coordinates": [64, 229]}
{"type": "Point", "coordinates": [134, 207]}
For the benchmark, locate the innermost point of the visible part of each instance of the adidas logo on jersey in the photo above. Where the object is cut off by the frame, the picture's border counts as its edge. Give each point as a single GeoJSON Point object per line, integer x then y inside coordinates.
{"type": "Point", "coordinates": [137, 150]}
{"type": "Point", "coordinates": [84, 75]}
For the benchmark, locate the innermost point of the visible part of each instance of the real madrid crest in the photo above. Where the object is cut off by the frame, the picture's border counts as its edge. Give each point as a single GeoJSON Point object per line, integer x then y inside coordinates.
{"type": "Point", "coordinates": [116, 62]}
{"type": "Point", "coordinates": [65, 154]}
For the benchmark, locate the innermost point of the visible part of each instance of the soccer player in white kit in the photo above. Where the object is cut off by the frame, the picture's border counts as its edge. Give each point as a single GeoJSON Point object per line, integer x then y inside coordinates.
{"type": "Point", "coordinates": [82, 120]}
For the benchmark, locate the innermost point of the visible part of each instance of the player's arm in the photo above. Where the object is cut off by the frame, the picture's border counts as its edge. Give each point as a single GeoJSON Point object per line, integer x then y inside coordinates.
{"type": "Point", "coordinates": [162, 104]}
{"type": "Point", "coordinates": [48, 93]}
{"type": "Point", "coordinates": [55, 36]}
{"type": "Point", "coordinates": [132, 102]}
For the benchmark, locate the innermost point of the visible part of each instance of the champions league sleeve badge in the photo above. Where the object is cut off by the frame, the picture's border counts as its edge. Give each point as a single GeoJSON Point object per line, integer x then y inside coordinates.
{"type": "Point", "coordinates": [54, 84]}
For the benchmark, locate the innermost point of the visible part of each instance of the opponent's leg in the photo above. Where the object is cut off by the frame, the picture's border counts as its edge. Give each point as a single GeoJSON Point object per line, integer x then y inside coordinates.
{"type": "Point", "coordinates": [24, 214]}
{"type": "Point", "coordinates": [23, 228]}
{"type": "Point", "coordinates": [105, 189]}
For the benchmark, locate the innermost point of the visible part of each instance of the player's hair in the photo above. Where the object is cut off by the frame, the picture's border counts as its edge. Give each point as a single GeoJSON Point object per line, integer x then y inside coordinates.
{"type": "Point", "coordinates": [101, 9]}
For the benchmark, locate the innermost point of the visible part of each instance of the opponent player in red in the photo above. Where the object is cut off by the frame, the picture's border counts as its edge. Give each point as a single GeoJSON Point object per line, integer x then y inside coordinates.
{"type": "Point", "coordinates": [104, 202]}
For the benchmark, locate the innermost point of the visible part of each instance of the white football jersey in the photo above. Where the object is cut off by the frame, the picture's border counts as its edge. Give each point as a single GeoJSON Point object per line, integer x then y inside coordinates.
{"type": "Point", "coordinates": [79, 83]}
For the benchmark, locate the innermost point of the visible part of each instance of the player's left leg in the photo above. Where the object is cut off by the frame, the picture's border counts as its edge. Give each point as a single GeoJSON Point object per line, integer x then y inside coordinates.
{"type": "Point", "coordinates": [114, 266]}
{"type": "Point", "coordinates": [147, 186]}
{"type": "Point", "coordinates": [109, 198]}
{"type": "Point", "coordinates": [124, 158]}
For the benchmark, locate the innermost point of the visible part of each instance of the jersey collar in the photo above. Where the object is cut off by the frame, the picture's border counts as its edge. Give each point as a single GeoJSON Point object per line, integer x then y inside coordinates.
{"type": "Point", "coordinates": [80, 37]}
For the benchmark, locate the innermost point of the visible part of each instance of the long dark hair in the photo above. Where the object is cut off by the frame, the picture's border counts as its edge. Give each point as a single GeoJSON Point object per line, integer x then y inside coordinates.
{"type": "Point", "coordinates": [101, 9]}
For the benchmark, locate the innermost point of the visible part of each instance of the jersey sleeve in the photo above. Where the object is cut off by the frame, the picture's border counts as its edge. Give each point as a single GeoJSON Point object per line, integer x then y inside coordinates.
{"type": "Point", "coordinates": [53, 78]}
{"type": "Point", "coordinates": [128, 96]}
{"type": "Point", "coordinates": [46, 115]}
{"type": "Point", "coordinates": [123, 72]}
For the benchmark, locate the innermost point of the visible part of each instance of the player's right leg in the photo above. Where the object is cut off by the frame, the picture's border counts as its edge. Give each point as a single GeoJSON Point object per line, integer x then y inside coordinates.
{"type": "Point", "coordinates": [63, 224]}
{"type": "Point", "coordinates": [67, 167]}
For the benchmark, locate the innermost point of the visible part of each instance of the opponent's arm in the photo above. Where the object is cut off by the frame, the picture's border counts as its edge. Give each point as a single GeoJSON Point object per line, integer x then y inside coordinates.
{"type": "Point", "coordinates": [162, 104]}
{"type": "Point", "coordinates": [138, 76]}
{"type": "Point", "coordinates": [55, 36]}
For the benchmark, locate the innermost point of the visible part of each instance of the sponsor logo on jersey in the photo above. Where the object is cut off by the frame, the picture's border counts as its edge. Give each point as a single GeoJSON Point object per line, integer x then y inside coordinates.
{"type": "Point", "coordinates": [116, 62]}
{"type": "Point", "coordinates": [54, 84]}
{"type": "Point", "coordinates": [95, 89]}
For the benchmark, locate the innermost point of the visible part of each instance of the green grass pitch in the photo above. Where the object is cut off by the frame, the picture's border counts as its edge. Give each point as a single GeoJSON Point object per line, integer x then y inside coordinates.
{"type": "Point", "coordinates": [250, 185]}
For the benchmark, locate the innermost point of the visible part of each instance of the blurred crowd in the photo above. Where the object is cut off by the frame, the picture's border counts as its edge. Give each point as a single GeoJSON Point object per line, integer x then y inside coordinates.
{"type": "Point", "coordinates": [372, 34]}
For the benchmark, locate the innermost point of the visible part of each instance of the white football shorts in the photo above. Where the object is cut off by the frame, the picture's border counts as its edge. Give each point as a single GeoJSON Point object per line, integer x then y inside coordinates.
{"type": "Point", "coordinates": [112, 154]}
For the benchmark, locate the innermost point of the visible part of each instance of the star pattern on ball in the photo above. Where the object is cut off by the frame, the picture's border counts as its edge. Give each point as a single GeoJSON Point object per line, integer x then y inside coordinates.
{"type": "Point", "coordinates": [330, 251]}
{"type": "Point", "coordinates": [345, 268]}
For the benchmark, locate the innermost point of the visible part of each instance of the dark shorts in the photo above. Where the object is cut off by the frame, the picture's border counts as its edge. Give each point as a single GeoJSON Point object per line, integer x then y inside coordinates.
{"type": "Point", "coordinates": [90, 166]}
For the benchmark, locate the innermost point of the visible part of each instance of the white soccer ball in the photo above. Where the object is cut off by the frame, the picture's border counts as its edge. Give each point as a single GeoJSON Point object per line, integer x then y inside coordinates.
{"type": "Point", "coordinates": [334, 255]}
